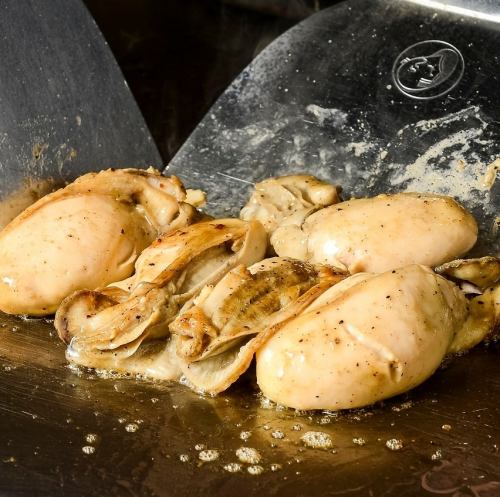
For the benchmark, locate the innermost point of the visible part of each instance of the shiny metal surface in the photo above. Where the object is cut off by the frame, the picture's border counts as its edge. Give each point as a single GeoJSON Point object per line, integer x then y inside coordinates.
{"type": "Point", "coordinates": [49, 415]}
{"type": "Point", "coordinates": [66, 108]}
{"type": "Point", "coordinates": [323, 98]}
{"type": "Point", "coordinates": [69, 433]}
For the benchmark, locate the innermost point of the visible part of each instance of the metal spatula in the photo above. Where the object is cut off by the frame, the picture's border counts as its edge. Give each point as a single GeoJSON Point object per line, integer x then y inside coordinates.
{"type": "Point", "coordinates": [374, 95]}
{"type": "Point", "coordinates": [65, 107]}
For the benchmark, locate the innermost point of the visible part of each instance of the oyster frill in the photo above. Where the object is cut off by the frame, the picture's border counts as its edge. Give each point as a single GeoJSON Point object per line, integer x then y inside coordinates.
{"type": "Point", "coordinates": [288, 198]}
{"type": "Point", "coordinates": [218, 337]}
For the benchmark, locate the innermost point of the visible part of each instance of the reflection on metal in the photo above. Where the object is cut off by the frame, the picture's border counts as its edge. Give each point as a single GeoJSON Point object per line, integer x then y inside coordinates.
{"type": "Point", "coordinates": [428, 69]}
{"type": "Point", "coordinates": [470, 9]}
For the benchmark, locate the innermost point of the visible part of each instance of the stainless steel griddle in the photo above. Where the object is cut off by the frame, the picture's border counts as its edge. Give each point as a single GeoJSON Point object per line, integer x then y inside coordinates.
{"type": "Point", "coordinates": [331, 97]}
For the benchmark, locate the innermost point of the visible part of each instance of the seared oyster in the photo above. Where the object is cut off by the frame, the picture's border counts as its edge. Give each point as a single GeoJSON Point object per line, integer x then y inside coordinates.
{"type": "Point", "coordinates": [217, 338]}
{"type": "Point", "coordinates": [480, 279]}
{"type": "Point", "coordinates": [106, 328]}
{"type": "Point", "coordinates": [275, 200]}
{"type": "Point", "coordinates": [381, 233]}
{"type": "Point", "coordinates": [370, 337]}
{"type": "Point", "coordinates": [85, 235]}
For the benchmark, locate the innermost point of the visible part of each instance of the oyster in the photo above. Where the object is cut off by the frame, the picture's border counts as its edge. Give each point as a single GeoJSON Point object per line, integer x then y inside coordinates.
{"type": "Point", "coordinates": [480, 279]}
{"type": "Point", "coordinates": [86, 235]}
{"type": "Point", "coordinates": [106, 328]}
{"type": "Point", "coordinates": [370, 337]}
{"type": "Point", "coordinates": [381, 233]}
{"type": "Point", "coordinates": [218, 336]}
{"type": "Point", "coordinates": [275, 200]}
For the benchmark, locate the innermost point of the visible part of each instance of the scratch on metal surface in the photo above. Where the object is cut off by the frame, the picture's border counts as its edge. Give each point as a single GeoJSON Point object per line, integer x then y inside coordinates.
{"type": "Point", "coordinates": [235, 178]}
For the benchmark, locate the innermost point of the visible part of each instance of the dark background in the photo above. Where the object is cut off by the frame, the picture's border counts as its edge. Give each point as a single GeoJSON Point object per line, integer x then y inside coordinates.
{"type": "Point", "coordinates": [178, 56]}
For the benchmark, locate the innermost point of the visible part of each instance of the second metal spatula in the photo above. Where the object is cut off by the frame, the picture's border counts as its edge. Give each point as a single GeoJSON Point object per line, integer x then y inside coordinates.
{"type": "Point", "coordinates": [377, 96]}
{"type": "Point", "coordinates": [65, 107]}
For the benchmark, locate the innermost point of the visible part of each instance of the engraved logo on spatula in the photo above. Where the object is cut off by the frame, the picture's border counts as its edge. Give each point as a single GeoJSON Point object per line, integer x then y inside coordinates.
{"type": "Point", "coordinates": [428, 69]}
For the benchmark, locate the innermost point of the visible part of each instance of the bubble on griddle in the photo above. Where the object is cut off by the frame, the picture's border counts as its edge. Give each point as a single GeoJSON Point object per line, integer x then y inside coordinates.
{"type": "Point", "coordinates": [255, 470]}
{"type": "Point", "coordinates": [394, 444]}
{"type": "Point", "coordinates": [245, 435]}
{"type": "Point", "coordinates": [275, 467]}
{"type": "Point", "coordinates": [317, 440]}
{"type": "Point", "coordinates": [91, 438]}
{"type": "Point", "coordinates": [437, 455]}
{"type": "Point", "coordinates": [278, 434]}
{"type": "Point", "coordinates": [131, 427]}
{"type": "Point", "coordinates": [248, 455]}
{"type": "Point", "coordinates": [208, 455]}
{"type": "Point", "coordinates": [359, 441]}
{"type": "Point", "coordinates": [266, 403]}
{"type": "Point", "coordinates": [232, 467]}
{"type": "Point", "coordinates": [403, 406]}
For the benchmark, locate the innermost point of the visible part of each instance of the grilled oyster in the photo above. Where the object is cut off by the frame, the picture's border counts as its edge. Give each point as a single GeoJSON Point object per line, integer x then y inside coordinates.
{"type": "Point", "coordinates": [85, 235]}
{"type": "Point", "coordinates": [381, 233]}
{"type": "Point", "coordinates": [106, 328]}
{"type": "Point", "coordinates": [277, 200]}
{"type": "Point", "coordinates": [372, 336]}
{"type": "Point", "coordinates": [217, 338]}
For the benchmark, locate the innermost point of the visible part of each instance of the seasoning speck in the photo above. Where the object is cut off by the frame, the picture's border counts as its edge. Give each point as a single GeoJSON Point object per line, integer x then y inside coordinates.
{"type": "Point", "coordinates": [200, 447]}
{"type": "Point", "coordinates": [317, 439]}
{"type": "Point", "coordinates": [275, 467]}
{"type": "Point", "coordinates": [88, 449]}
{"type": "Point", "coordinates": [184, 458]}
{"type": "Point", "coordinates": [446, 427]}
{"type": "Point", "coordinates": [297, 427]}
